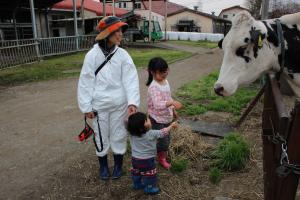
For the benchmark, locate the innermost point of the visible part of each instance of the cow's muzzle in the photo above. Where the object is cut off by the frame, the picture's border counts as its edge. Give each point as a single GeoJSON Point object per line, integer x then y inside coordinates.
{"type": "Point", "coordinates": [219, 89]}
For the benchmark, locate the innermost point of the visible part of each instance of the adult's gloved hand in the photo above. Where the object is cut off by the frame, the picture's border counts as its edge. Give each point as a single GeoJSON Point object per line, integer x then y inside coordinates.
{"type": "Point", "coordinates": [90, 115]}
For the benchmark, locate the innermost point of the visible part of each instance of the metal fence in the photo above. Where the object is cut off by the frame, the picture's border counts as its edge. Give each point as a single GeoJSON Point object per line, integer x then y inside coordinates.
{"type": "Point", "coordinates": [9, 43]}
{"type": "Point", "coordinates": [15, 52]}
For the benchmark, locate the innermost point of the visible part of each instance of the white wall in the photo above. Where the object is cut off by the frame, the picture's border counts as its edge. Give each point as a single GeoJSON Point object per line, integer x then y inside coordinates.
{"type": "Point", "coordinates": [155, 17]}
{"type": "Point", "coordinates": [193, 36]}
{"type": "Point", "coordinates": [201, 21]}
{"type": "Point", "coordinates": [230, 13]}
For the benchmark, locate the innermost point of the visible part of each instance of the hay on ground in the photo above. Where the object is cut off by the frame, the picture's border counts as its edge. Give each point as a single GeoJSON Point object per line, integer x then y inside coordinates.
{"type": "Point", "coordinates": [187, 144]}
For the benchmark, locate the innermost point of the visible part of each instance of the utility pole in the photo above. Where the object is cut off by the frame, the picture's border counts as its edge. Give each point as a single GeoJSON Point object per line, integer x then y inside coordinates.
{"type": "Point", "coordinates": [82, 17]}
{"type": "Point", "coordinates": [15, 25]}
{"type": "Point", "coordinates": [265, 9]}
{"type": "Point", "coordinates": [104, 8]}
{"type": "Point", "coordinates": [166, 18]}
{"type": "Point", "coordinates": [35, 36]}
{"type": "Point", "coordinates": [113, 4]}
{"type": "Point", "coordinates": [150, 20]}
{"type": "Point", "coordinates": [264, 15]}
{"type": "Point", "coordinates": [75, 24]}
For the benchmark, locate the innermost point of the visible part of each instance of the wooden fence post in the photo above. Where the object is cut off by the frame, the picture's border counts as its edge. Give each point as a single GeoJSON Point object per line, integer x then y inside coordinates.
{"type": "Point", "coordinates": [268, 146]}
{"type": "Point", "coordinates": [289, 184]}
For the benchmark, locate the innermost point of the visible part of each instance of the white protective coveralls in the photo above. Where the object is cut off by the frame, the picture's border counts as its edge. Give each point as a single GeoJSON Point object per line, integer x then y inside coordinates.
{"type": "Point", "coordinates": [115, 87]}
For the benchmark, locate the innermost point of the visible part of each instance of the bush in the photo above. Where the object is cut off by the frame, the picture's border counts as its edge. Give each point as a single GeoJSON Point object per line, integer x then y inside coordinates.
{"type": "Point", "coordinates": [215, 175]}
{"type": "Point", "coordinates": [179, 165]}
{"type": "Point", "coordinates": [232, 153]}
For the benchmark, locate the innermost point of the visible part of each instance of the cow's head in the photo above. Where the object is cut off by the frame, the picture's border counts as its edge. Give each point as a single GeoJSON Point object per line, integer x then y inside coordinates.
{"type": "Point", "coordinates": [247, 54]}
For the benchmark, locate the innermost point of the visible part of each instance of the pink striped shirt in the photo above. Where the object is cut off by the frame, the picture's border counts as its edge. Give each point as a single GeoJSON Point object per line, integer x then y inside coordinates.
{"type": "Point", "coordinates": [158, 96]}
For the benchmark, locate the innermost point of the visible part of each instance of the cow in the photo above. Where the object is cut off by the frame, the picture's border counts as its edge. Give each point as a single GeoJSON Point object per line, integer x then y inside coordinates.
{"type": "Point", "coordinates": [253, 47]}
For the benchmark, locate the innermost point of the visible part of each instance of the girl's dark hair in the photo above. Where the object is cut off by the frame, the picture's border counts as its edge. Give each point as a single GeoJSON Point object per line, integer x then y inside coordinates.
{"type": "Point", "coordinates": [156, 64]}
{"type": "Point", "coordinates": [136, 124]}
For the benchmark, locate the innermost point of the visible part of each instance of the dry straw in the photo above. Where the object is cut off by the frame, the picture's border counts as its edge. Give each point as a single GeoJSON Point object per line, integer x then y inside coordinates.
{"type": "Point", "coordinates": [186, 144]}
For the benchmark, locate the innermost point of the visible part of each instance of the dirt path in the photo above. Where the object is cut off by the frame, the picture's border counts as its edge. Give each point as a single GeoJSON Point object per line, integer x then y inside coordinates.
{"type": "Point", "coordinates": [40, 121]}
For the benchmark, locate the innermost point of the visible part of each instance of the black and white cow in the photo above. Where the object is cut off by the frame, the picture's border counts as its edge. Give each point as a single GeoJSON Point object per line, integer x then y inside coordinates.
{"type": "Point", "coordinates": [251, 48]}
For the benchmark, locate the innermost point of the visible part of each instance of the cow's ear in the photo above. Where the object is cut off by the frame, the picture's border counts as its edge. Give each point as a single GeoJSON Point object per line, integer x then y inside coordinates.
{"type": "Point", "coordinates": [220, 44]}
{"type": "Point", "coordinates": [256, 37]}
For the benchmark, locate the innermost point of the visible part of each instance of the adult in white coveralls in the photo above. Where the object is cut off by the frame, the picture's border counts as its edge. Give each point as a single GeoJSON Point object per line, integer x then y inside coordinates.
{"type": "Point", "coordinates": [109, 95]}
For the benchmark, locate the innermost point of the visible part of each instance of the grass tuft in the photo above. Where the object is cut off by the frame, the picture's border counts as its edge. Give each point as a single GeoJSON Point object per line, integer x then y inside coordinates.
{"type": "Point", "coordinates": [179, 165]}
{"type": "Point", "coordinates": [232, 153]}
{"type": "Point", "coordinates": [215, 175]}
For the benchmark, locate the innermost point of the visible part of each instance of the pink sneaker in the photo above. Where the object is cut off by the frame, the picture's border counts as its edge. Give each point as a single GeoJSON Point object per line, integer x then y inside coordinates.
{"type": "Point", "coordinates": [162, 159]}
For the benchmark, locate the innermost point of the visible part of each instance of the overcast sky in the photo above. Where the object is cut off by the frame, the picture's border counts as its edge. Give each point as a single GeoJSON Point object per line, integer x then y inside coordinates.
{"type": "Point", "coordinates": [209, 6]}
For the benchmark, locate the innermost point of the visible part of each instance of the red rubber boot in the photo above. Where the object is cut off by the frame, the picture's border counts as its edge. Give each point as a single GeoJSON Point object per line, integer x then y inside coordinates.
{"type": "Point", "coordinates": [162, 159]}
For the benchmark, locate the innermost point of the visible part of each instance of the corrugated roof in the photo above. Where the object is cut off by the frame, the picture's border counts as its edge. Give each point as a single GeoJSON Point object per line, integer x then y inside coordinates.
{"type": "Point", "coordinates": [7, 6]}
{"type": "Point", "coordinates": [91, 5]}
{"type": "Point", "coordinates": [233, 7]}
{"type": "Point", "coordinates": [214, 17]}
{"type": "Point", "coordinates": [159, 7]}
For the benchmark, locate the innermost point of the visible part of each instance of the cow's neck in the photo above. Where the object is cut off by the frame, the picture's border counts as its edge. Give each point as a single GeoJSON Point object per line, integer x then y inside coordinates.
{"type": "Point", "coordinates": [292, 40]}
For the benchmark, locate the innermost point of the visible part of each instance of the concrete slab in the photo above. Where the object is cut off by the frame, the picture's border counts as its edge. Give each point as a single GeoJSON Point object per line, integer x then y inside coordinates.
{"type": "Point", "coordinates": [215, 129]}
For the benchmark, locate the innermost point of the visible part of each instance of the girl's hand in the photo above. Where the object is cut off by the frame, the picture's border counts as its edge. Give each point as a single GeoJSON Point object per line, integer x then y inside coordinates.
{"type": "Point", "coordinates": [90, 115]}
{"type": "Point", "coordinates": [131, 109]}
{"type": "Point", "coordinates": [169, 103]}
{"type": "Point", "coordinates": [174, 125]}
{"type": "Point", "coordinates": [177, 105]}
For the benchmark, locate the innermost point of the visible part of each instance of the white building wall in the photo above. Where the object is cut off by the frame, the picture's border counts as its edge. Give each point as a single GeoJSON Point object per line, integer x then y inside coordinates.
{"type": "Point", "coordinates": [123, 5]}
{"type": "Point", "coordinates": [155, 17]}
{"type": "Point", "coordinates": [229, 14]}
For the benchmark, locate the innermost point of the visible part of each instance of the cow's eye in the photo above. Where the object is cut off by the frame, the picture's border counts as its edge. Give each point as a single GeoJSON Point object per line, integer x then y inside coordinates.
{"type": "Point", "coordinates": [241, 53]}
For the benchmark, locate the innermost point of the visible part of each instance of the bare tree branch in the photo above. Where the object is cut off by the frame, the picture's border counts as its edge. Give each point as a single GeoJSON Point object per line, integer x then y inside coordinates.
{"type": "Point", "coordinates": [254, 7]}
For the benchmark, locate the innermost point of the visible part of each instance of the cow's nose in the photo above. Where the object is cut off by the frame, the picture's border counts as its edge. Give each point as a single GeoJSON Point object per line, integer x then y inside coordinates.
{"type": "Point", "coordinates": [219, 89]}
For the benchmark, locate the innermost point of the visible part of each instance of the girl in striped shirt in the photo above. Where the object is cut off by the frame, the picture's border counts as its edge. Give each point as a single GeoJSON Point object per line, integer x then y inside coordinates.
{"type": "Point", "coordinates": [161, 106]}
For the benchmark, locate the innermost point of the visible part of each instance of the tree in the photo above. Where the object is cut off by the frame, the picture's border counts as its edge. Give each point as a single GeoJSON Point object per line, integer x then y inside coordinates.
{"type": "Point", "coordinates": [280, 9]}
{"type": "Point", "coordinates": [254, 7]}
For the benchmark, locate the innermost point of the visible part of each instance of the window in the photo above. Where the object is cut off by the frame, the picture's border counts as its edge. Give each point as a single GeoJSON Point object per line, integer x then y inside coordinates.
{"type": "Point", "coordinates": [157, 26]}
{"type": "Point", "coordinates": [120, 5]}
{"type": "Point", "coordinates": [138, 5]}
{"type": "Point", "coordinates": [225, 16]}
{"type": "Point", "coordinates": [124, 5]}
{"type": "Point", "coordinates": [57, 17]}
{"type": "Point", "coordinates": [55, 32]}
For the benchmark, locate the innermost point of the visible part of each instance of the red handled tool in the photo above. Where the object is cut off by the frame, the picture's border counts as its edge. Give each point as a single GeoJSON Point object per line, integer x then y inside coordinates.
{"type": "Point", "coordinates": [86, 132]}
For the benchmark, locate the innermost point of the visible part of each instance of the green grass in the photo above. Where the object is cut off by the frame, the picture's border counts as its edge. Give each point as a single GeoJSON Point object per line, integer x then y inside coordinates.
{"type": "Point", "coordinates": [232, 153]}
{"type": "Point", "coordinates": [141, 57]}
{"type": "Point", "coordinates": [215, 175]}
{"type": "Point", "coordinates": [201, 43]}
{"type": "Point", "coordinates": [199, 97]}
{"type": "Point", "coordinates": [179, 165]}
{"type": "Point", "coordinates": [70, 65]}
{"type": "Point", "coordinates": [48, 69]}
